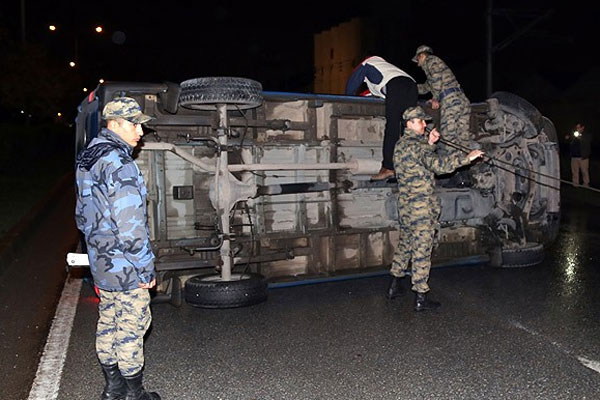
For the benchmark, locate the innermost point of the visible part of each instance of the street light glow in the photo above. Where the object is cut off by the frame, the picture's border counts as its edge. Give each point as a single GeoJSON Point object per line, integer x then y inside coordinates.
{"type": "Point", "coordinates": [52, 28]}
{"type": "Point", "coordinates": [99, 29]}
{"type": "Point", "coordinates": [101, 80]}
{"type": "Point", "coordinates": [72, 64]}
{"type": "Point", "coordinates": [85, 89]}
{"type": "Point", "coordinates": [59, 114]}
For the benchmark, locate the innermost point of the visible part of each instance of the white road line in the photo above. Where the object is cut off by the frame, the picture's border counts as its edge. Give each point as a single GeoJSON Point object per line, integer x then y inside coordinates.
{"type": "Point", "coordinates": [591, 364]}
{"type": "Point", "coordinates": [47, 379]}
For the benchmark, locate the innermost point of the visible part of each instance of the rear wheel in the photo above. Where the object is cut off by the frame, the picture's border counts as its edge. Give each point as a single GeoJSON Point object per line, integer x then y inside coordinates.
{"type": "Point", "coordinates": [525, 256]}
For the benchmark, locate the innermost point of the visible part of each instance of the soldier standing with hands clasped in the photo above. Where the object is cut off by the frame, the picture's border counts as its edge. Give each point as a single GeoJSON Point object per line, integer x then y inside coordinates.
{"type": "Point", "coordinates": [416, 163]}
{"type": "Point", "coordinates": [111, 213]}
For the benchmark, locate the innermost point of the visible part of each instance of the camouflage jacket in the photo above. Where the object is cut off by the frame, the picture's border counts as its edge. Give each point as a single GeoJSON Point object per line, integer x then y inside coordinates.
{"type": "Point", "coordinates": [416, 163]}
{"type": "Point", "coordinates": [439, 78]}
{"type": "Point", "coordinates": [111, 213]}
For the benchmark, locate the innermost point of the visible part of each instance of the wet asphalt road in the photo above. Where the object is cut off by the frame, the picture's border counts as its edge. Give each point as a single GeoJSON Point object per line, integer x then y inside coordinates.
{"type": "Point", "coordinates": [530, 333]}
{"type": "Point", "coordinates": [501, 334]}
{"type": "Point", "coordinates": [30, 287]}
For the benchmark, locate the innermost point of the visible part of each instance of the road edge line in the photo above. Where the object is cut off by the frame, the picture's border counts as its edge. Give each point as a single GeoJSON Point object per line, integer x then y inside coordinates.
{"type": "Point", "coordinates": [47, 378]}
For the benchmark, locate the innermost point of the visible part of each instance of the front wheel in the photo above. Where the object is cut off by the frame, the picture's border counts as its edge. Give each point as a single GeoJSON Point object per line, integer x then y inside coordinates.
{"type": "Point", "coordinates": [210, 291]}
{"type": "Point", "coordinates": [525, 256]}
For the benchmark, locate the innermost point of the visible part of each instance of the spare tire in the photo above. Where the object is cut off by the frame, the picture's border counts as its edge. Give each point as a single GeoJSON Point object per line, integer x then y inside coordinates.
{"type": "Point", "coordinates": [206, 93]}
{"type": "Point", "coordinates": [210, 291]}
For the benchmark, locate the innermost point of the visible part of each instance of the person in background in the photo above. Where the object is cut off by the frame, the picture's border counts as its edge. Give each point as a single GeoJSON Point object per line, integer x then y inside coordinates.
{"type": "Point", "coordinates": [111, 213]}
{"type": "Point", "coordinates": [399, 90]}
{"type": "Point", "coordinates": [580, 149]}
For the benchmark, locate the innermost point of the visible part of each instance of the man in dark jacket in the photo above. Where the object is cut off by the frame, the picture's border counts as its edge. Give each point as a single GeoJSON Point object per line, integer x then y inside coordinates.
{"type": "Point", "coordinates": [399, 90]}
{"type": "Point", "coordinates": [111, 213]}
{"type": "Point", "coordinates": [580, 148]}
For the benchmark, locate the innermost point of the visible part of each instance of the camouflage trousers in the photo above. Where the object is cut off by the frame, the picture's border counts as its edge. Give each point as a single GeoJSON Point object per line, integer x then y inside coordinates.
{"type": "Point", "coordinates": [418, 225]}
{"type": "Point", "coordinates": [123, 319]}
{"type": "Point", "coordinates": [455, 113]}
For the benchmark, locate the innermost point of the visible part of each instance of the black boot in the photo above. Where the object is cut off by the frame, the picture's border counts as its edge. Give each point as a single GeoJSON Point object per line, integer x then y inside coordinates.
{"type": "Point", "coordinates": [422, 303]}
{"type": "Point", "coordinates": [135, 390]}
{"type": "Point", "coordinates": [115, 388]}
{"type": "Point", "coordinates": [395, 288]}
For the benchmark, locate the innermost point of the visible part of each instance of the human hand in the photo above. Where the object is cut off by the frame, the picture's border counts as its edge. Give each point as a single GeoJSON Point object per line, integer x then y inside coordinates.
{"type": "Point", "coordinates": [149, 285]}
{"type": "Point", "coordinates": [434, 136]}
{"type": "Point", "coordinates": [435, 104]}
{"type": "Point", "coordinates": [475, 154]}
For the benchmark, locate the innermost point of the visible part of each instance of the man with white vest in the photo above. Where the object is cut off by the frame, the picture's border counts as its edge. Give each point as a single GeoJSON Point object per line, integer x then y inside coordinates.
{"type": "Point", "coordinates": [399, 90]}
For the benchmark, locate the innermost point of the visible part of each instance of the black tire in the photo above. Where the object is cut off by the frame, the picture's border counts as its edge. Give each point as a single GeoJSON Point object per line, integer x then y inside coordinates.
{"type": "Point", "coordinates": [176, 292]}
{"type": "Point", "coordinates": [523, 109]}
{"type": "Point", "coordinates": [526, 256]}
{"type": "Point", "coordinates": [209, 291]}
{"type": "Point", "coordinates": [206, 93]}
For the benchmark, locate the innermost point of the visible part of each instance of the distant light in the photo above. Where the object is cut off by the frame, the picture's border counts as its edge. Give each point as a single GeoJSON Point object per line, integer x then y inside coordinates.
{"type": "Point", "coordinates": [59, 115]}
{"type": "Point", "coordinates": [72, 64]}
{"type": "Point", "coordinates": [99, 29]}
{"type": "Point", "coordinates": [85, 89]}
{"type": "Point", "coordinates": [22, 112]}
{"type": "Point", "coordinates": [52, 28]}
{"type": "Point", "coordinates": [101, 80]}
{"type": "Point", "coordinates": [576, 133]}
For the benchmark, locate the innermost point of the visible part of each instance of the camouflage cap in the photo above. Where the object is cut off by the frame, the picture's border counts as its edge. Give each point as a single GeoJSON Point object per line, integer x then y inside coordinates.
{"type": "Point", "coordinates": [415, 112]}
{"type": "Point", "coordinates": [126, 108]}
{"type": "Point", "coordinates": [422, 49]}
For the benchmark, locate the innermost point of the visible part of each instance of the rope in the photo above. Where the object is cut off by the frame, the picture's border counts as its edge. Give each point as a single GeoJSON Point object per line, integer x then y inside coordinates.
{"type": "Point", "coordinates": [490, 161]}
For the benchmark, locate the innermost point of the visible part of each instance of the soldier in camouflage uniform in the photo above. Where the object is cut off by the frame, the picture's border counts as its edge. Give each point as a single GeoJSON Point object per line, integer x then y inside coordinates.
{"type": "Point", "coordinates": [455, 107]}
{"type": "Point", "coordinates": [416, 163]}
{"type": "Point", "coordinates": [111, 213]}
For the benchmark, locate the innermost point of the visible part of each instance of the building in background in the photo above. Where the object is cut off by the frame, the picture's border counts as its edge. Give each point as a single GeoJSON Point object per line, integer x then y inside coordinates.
{"type": "Point", "coordinates": [336, 52]}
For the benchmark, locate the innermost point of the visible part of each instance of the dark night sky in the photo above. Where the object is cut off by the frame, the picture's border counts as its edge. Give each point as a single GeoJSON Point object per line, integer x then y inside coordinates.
{"type": "Point", "coordinates": [178, 40]}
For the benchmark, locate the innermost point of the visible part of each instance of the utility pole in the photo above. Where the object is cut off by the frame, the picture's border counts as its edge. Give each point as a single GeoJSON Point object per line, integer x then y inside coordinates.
{"type": "Point", "coordinates": [23, 40]}
{"type": "Point", "coordinates": [489, 50]}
